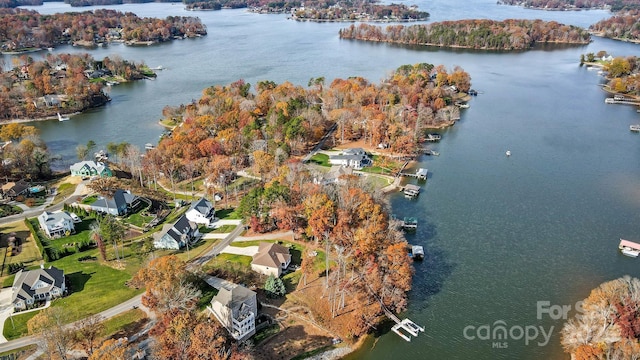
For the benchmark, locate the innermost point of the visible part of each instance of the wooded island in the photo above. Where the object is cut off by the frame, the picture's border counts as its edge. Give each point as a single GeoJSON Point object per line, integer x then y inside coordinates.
{"type": "Point", "coordinates": [473, 34]}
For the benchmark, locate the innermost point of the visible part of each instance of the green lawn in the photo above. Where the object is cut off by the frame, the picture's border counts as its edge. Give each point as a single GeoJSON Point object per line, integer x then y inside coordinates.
{"type": "Point", "coordinates": [90, 199]}
{"type": "Point", "coordinates": [228, 214]}
{"type": "Point", "coordinates": [67, 243]}
{"type": "Point", "coordinates": [320, 159]}
{"type": "Point", "coordinates": [194, 251]}
{"type": "Point", "coordinates": [18, 327]}
{"type": "Point", "coordinates": [138, 219]}
{"type": "Point", "coordinates": [64, 190]}
{"type": "Point", "coordinates": [121, 321]}
{"type": "Point", "coordinates": [94, 288]}
{"type": "Point", "coordinates": [225, 258]}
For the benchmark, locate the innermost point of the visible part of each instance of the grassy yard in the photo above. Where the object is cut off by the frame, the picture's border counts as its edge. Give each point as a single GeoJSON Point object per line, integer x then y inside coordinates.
{"type": "Point", "coordinates": [222, 259]}
{"type": "Point", "coordinates": [228, 214]}
{"type": "Point", "coordinates": [64, 190]}
{"type": "Point", "coordinates": [194, 251]}
{"type": "Point", "coordinates": [67, 243]}
{"type": "Point", "coordinates": [29, 253]}
{"type": "Point", "coordinates": [16, 325]}
{"type": "Point", "coordinates": [138, 219]}
{"type": "Point", "coordinates": [122, 321]}
{"type": "Point", "coordinates": [94, 287]}
{"type": "Point", "coordinates": [320, 159]}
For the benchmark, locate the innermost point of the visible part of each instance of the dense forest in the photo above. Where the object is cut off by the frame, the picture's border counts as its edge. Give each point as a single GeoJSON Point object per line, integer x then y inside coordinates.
{"type": "Point", "coordinates": [622, 26]}
{"type": "Point", "coordinates": [24, 155]}
{"type": "Point", "coordinates": [614, 5]}
{"type": "Point", "coordinates": [230, 127]}
{"type": "Point", "coordinates": [60, 83]}
{"type": "Point", "coordinates": [608, 324]}
{"type": "Point", "coordinates": [473, 34]}
{"type": "Point", "coordinates": [24, 29]}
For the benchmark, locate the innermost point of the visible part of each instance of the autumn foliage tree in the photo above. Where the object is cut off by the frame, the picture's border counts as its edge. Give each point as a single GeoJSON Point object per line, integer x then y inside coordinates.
{"type": "Point", "coordinates": [609, 325]}
{"type": "Point", "coordinates": [168, 287]}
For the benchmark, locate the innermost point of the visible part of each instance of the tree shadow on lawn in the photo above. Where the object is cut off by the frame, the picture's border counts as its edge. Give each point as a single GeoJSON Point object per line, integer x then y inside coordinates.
{"type": "Point", "coordinates": [77, 280]}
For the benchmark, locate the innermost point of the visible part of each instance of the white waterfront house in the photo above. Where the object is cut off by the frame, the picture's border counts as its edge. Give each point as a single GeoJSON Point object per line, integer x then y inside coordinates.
{"type": "Point", "coordinates": [236, 308]}
{"type": "Point", "coordinates": [201, 212]}
{"type": "Point", "coordinates": [56, 224]}
{"type": "Point", "coordinates": [355, 158]}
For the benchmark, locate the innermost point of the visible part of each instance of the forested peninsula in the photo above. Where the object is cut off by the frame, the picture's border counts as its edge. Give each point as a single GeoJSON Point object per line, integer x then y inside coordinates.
{"type": "Point", "coordinates": [473, 34]}
{"type": "Point", "coordinates": [622, 26]}
{"type": "Point", "coordinates": [613, 5]}
{"type": "Point", "coordinates": [61, 83]}
{"type": "Point", "coordinates": [22, 29]}
{"type": "Point", "coordinates": [267, 132]}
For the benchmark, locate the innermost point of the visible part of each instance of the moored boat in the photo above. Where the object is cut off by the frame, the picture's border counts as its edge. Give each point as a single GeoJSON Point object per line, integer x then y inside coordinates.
{"type": "Point", "coordinates": [635, 127]}
{"type": "Point", "coordinates": [629, 248]}
{"type": "Point", "coordinates": [62, 118]}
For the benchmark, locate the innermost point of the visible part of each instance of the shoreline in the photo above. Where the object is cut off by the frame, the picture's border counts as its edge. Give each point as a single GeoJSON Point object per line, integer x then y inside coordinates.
{"type": "Point", "coordinates": [23, 120]}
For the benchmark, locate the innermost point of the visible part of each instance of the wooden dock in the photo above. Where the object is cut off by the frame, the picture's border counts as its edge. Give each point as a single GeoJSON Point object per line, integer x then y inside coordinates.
{"type": "Point", "coordinates": [407, 325]}
{"type": "Point", "coordinates": [621, 101]}
{"type": "Point", "coordinates": [420, 174]}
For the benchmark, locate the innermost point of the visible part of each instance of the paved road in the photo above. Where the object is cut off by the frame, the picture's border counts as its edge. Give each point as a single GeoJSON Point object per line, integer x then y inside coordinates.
{"type": "Point", "coordinates": [216, 249]}
{"type": "Point", "coordinates": [319, 144]}
{"type": "Point", "coordinates": [136, 301]}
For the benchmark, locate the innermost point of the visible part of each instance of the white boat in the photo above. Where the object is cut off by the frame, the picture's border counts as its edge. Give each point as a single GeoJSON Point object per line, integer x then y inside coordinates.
{"type": "Point", "coordinates": [463, 106]}
{"type": "Point", "coordinates": [508, 153]}
{"type": "Point", "coordinates": [62, 118]}
{"type": "Point", "coordinates": [629, 248]}
{"type": "Point", "coordinates": [635, 127]}
{"type": "Point", "coordinates": [434, 153]}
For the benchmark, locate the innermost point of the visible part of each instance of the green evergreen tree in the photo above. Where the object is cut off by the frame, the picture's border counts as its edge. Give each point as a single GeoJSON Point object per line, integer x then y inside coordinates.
{"type": "Point", "coordinates": [274, 287]}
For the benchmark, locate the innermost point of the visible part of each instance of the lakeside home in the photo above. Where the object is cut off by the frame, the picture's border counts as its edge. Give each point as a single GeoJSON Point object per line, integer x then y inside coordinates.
{"type": "Point", "coordinates": [36, 285]}
{"type": "Point", "coordinates": [236, 308]}
{"type": "Point", "coordinates": [90, 168]}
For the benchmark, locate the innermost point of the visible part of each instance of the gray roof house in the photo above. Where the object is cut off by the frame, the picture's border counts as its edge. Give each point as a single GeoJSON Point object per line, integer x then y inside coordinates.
{"type": "Point", "coordinates": [175, 236]}
{"type": "Point", "coordinates": [271, 259]}
{"type": "Point", "coordinates": [90, 168]}
{"type": "Point", "coordinates": [334, 176]}
{"type": "Point", "coordinates": [201, 212]}
{"type": "Point", "coordinates": [120, 204]}
{"type": "Point", "coordinates": [15, 189]}
{"type": "Point", "coordinates": [236, 308]}
{"type": "Point", "coordinates": [56, 224]}
{"type": "Point", "coordinates": [36, 285]}
{"type": "Point", "coordinates": [355, 158]}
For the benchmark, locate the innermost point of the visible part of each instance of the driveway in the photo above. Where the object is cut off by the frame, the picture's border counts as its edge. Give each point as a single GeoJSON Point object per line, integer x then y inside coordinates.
{"type": "Point", "coordinates": [6, 309]}
{"type": "Point", "coordinates": [247, 251]}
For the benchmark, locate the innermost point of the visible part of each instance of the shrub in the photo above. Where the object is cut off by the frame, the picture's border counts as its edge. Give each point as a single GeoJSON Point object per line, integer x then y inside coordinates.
{"type": "Point", "coordinates": [274, 287]}
{"type": "Point", "coordinates": [14, 268]}
{"type": "Point", "coordinates": [30, 202]}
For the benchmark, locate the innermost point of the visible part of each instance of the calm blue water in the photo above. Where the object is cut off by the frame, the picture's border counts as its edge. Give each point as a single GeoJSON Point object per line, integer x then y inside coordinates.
{"type": "Point", "coordinates": [500, 234]}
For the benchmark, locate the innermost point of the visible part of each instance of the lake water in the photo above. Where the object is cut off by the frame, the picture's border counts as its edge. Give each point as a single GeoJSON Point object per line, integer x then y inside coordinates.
{"type": "Point", "coordinates": [500, 233]}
